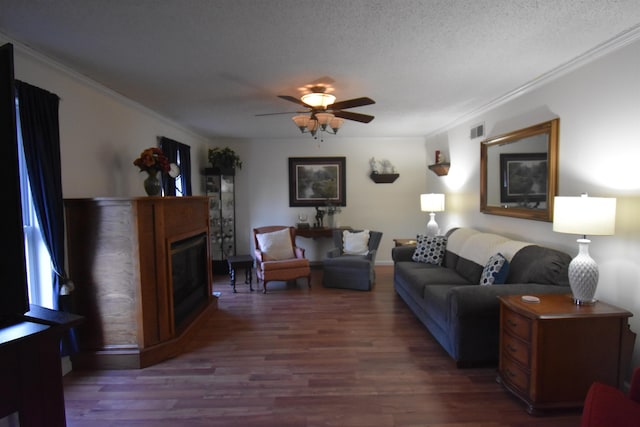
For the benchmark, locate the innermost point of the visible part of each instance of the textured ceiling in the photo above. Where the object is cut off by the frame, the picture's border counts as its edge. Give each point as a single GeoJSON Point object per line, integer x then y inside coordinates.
{"type": "Point", "coordinates": [212, 65]}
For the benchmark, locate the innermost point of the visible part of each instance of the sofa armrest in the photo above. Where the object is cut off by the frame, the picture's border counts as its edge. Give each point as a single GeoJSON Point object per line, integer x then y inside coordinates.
{"type": "Point", "coordinates": [402, 253]}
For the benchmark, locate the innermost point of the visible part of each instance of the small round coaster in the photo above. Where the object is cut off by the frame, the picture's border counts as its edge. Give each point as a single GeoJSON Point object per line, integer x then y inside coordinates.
{"type": "Point", "coordinates": [530, 298]}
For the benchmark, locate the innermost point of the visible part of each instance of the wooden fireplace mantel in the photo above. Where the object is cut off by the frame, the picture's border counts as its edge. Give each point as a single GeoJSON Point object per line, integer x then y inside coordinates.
{"type": "Point", "coordinates": [120, 261]}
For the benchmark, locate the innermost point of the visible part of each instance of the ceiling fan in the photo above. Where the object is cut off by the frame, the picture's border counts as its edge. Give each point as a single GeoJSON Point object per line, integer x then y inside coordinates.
{"type": "Point", "coordinates": [322, 112]}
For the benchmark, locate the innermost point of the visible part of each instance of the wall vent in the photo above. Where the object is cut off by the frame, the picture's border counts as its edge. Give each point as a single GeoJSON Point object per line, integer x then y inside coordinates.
{"type": "Point", "coordinates": [477, 131]}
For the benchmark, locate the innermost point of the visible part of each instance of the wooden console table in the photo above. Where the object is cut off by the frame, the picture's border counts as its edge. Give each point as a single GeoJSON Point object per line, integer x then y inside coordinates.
{"type": "Point", "coordinates": [315, 233]}
{"type": "Point", "coordinates": [552, 351]}
{"type": "Point", "coordinates": [404, 242]}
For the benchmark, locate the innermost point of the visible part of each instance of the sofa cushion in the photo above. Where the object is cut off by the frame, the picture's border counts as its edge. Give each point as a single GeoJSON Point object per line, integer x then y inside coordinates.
{"type": "Point", "coordinates": [430, 249]}
{"type": "Point", "coordinates": [469, 270]}
{"type": "Point", "coordinates": [495, 271]}
{"type": "Point", "coordinates": [418, 275]}
{"type": "Point", "coordinates": [537, 264]}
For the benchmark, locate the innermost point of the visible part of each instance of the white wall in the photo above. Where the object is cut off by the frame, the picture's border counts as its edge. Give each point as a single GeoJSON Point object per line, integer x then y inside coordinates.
{"type": "Point", "coordinates": [599, 110]}
{"type": "Point", "coordinates": [262, 189]}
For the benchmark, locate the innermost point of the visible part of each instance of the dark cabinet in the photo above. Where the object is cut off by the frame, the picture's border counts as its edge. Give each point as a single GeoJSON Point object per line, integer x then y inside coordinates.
{"type": "Point", "coordinates": [220, 189]}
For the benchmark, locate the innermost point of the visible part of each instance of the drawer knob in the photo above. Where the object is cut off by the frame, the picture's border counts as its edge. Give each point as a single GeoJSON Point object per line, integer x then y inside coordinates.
{"type": "Point", "coordinates": [511, 348]}
{"type": "Point", "coordinates": [512, 323]}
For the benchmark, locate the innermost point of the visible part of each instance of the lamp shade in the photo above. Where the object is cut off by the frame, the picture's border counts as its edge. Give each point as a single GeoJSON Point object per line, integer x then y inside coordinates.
{"type": "Point", "coordinates": [595, 216]}
{"type": "Point", "coordinates": [432, 202]}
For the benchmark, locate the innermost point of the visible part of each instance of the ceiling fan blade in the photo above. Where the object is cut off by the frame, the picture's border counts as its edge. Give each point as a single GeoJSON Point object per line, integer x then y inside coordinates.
{"type": "Point", "coordinates": [282, 112]}
{"type": "Point", "coordinates": [363, 118]}
{"type": "Point", "coordinates": [351, 103]}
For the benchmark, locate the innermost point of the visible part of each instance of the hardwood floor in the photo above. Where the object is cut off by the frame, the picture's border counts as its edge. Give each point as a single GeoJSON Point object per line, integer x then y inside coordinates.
{"type": "Point", "coordinates": [303, 357]}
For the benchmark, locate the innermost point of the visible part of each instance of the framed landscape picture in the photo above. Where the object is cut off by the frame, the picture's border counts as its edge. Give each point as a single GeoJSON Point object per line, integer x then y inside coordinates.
{"type": "Point", "coordinates": [317, 181]}
{"type": "Point", "coordinates": [524, 177]}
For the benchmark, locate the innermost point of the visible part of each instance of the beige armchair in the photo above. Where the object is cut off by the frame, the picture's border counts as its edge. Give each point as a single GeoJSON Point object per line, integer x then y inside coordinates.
{"type": "Point", "coordinates": [277, 256]}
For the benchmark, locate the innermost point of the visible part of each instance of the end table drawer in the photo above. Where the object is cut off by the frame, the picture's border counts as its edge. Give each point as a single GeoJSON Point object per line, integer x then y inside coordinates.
{"type": "Point", "coordinates": [517, 325]}
{"type": "Point", "coordinates": [517, 350]}
{"type": "Point", "coordinates": [513, 375]}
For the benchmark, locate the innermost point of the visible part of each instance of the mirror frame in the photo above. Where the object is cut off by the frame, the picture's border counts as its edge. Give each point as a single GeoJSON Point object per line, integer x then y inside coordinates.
{"type": "Point", "coordinates": [550, 128]}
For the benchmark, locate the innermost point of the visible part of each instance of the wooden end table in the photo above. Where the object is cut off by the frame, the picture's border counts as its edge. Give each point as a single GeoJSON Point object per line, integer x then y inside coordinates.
{"type": "Point", "coordinates": [553, 350]}
{"type": "Point", "coordinates": [241, 261]}
{"type": "Point", "coordinates": [404, 242]}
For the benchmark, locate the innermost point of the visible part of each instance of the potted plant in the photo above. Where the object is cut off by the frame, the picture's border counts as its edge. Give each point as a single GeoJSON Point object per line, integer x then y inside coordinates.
{"type": "Point", "coordinates": [224, 158]}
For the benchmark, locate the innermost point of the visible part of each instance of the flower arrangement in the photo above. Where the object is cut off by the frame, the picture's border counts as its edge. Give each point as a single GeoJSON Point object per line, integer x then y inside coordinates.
{"type": "Point", "coordinates": [224, 158]}
{"type": "Point", "coordinates": [152, 160]}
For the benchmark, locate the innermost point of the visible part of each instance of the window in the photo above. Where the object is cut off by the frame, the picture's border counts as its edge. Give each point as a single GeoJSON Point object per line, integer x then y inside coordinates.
{"type": "Point", "coordinates": [38, 260]}
{"type": "Point", "coordinates": [178, 179]}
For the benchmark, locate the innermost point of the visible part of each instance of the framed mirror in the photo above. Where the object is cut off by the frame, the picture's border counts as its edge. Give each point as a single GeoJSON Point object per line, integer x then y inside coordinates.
{"type": "Point", "coordinates": [519, 172]}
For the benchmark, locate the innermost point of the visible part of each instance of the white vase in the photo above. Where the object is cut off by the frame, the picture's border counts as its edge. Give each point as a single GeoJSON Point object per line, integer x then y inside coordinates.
{"type": "Point", "coordinates": [583, 275]}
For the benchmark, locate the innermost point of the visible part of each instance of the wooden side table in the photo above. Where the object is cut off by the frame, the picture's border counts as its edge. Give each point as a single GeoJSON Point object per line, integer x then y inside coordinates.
{"type": "Point", "coordinates": [241, 261]}
{"type": "Point", "coordinates": [552, 351]}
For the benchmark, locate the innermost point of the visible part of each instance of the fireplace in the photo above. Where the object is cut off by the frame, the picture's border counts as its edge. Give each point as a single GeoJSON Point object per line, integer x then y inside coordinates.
{"type": "Point", "coordinates": [143, 277]}
{"type": "Point", "coordinates": [189, 277]}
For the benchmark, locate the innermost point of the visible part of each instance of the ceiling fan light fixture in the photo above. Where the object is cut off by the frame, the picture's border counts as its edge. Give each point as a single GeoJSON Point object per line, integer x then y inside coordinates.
{"type": "Point", "coordinates": [318, 99]}
{"type": "Point", "coordinates": [324, 119]}
{"type": "Point", "coordinates": [335, 123]}
{"type": "Point", "coordinates": [312, 126]}
{"type": "Point", "coordinates": [301, 121]}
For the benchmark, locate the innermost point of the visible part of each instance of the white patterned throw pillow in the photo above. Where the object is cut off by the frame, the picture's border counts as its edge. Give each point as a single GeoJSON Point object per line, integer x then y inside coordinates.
{"type": "Point", "coordinates": [430, 249]}
{"type": "Point", "coordinates": [355, 243]}
{"type": "Point", "coordinates": [495, 271]}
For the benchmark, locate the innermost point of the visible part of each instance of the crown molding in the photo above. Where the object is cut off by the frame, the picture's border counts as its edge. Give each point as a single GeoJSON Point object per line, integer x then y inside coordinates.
{"type": "Point", "coordinates": [622, 39]}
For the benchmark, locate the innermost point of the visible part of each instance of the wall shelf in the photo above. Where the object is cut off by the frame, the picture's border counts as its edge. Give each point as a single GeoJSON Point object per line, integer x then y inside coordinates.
{"type": "Point", "coordinates": [384, 178]}
{"type": "Point", "coordinates": [440, 169]}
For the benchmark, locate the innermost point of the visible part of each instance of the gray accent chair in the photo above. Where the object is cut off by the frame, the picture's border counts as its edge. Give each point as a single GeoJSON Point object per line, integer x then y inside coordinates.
{"type": "Point", "coordinates": [345, 271]}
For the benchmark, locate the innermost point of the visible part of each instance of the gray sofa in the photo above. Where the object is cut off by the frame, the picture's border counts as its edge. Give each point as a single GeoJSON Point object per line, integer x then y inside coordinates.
{"type": "Point", "coordinates": [462, 315]}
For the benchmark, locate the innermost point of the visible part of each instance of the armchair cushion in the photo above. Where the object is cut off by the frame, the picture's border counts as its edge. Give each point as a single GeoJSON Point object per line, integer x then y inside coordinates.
{"type": "Point", "coordinates": [275, 245]}
{"type": "Point", "coordinates": [355, 243]}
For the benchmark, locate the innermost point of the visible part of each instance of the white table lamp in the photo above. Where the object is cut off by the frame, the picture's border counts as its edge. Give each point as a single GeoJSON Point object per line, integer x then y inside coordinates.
{"type": "Point", "coordinates": [587, 216]}
{"type": "Point", "coordinates": [432, 203]}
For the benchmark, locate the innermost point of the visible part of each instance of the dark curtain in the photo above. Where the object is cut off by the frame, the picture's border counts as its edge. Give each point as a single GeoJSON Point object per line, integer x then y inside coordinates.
{"type": "Point", "coordinates": [175, 150]}
{"type": "Point", "coordinates": [41, 139]}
